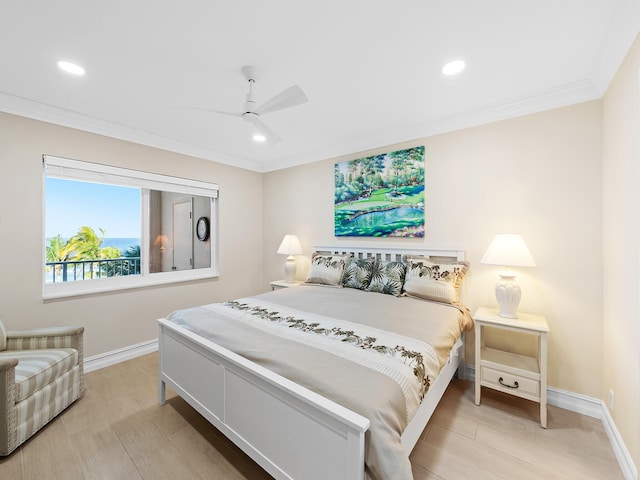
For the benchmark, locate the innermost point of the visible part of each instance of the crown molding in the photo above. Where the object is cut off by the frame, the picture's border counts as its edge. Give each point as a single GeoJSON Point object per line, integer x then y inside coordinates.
{"type": "Point", "coordinates": [557, 97]}
{"type": "Point", "coordinates": [67, 118]}
{"type": "Point", "coordinates": [619, 37]}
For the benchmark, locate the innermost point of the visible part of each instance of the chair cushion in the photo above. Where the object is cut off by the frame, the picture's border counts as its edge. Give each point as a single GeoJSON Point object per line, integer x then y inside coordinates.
{"type": "Point", "coordinates": [40, 367]}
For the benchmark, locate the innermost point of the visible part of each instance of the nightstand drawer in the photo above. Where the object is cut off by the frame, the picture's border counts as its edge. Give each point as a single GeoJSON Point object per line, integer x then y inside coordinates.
{"type": "Point", "coordinates": [507, 382]}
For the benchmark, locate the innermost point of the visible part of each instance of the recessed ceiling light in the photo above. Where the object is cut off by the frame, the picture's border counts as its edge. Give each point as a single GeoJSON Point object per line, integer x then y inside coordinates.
{"type": "Point", "coordinates": [71, 67]}
{"type": "Point", "coordinates": [258, 137]}
{"type": "Point", "coordinates": [454, 67]}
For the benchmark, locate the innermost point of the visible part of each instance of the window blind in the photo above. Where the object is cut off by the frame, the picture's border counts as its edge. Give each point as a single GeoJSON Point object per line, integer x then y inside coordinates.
{"type": "Point", "coordinates": [68, 169]}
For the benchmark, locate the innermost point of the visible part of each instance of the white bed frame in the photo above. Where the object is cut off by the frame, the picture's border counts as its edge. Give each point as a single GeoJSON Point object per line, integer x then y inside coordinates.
{"type": "Point", "coordinates": [290, 431]}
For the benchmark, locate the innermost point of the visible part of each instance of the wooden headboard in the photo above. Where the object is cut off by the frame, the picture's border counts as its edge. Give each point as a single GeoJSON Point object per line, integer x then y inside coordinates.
{"type": "Point", "coordinates": [395, 253]}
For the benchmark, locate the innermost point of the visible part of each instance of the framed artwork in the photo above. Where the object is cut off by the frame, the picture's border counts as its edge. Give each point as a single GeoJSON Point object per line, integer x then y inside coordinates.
{"type": "Point", "coordinates": [380, 196]}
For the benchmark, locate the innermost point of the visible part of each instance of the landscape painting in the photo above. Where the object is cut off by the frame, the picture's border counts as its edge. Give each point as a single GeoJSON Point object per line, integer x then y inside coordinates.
{"type": "Point", "coordinates": [380, 196]}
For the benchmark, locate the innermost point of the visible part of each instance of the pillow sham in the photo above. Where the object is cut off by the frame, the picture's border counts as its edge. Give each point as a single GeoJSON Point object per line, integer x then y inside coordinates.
{"type": "Point", "coordinates": [327, 269]}
{"type": "Point", "coordinates": [387, 277]}
{"type": "Point", "coordinates": [439, 282]}
{"type": "Point", "coordinates": [357, 273]}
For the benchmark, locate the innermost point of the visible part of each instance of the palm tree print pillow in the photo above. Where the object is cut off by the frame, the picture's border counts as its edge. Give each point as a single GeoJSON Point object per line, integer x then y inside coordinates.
{"type": "Point", "coordinates": [387, 277]}
{"type": "Point", "coordinates": [357, 273]}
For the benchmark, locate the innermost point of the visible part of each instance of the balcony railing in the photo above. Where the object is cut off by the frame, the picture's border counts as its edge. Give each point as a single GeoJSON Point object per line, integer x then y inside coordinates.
{"type": "Point", "coordinates": [75, 270]}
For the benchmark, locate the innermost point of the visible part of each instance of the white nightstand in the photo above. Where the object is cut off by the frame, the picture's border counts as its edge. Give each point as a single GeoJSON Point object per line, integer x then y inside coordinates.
{"type": "Point", "coordinates": [508, 372]}
{"type": "Point", "coordinates": [276, 284]}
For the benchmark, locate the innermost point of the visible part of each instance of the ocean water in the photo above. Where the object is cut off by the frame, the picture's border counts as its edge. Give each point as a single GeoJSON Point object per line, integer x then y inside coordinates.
{"type": "Point", "coordinates": [121, 244]}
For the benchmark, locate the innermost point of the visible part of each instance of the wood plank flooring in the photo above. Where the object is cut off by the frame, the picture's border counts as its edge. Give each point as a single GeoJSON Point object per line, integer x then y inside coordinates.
{"type": "Point", "coordinates": [118, 431]}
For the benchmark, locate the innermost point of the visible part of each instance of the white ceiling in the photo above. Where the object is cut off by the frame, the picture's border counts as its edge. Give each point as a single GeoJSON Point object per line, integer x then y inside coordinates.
{"type": "Point", "coordinates": [370, 68]}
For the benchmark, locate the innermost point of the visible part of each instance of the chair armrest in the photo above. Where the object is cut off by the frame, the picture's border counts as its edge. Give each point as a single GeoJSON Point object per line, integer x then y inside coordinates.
{"type": "Point", "coordinates": [7, 402]}
{"type": "Point", "coordinates": [52, 337]}
{"type": "Point", "coordinates": [5, 365]}
{"type": "Point", "coordinates": [44, 332]}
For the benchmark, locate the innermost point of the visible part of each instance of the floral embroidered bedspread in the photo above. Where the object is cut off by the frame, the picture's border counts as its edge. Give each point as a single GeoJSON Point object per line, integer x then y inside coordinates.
{"type": "Point", "coordinates": [410, 362]}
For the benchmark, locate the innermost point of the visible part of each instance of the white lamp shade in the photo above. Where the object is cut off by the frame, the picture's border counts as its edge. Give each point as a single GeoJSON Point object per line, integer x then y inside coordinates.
{"type": "Point", "coordinates": [508, 250]}
{"type": "Point", "coordinates": [290, 245]}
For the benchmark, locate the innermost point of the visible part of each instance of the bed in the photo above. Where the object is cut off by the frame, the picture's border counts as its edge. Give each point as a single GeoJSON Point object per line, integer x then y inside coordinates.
{"type": "Point", "coordinates": [308, 381]}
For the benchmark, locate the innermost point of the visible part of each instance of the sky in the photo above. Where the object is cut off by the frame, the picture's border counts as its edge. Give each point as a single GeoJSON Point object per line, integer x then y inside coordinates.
{"type": "Point", "coordinates": [71, 205]}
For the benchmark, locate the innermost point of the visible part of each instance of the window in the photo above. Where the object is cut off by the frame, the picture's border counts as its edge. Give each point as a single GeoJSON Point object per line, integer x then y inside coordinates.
{"type": "Point", "coordinates": [110, 228]}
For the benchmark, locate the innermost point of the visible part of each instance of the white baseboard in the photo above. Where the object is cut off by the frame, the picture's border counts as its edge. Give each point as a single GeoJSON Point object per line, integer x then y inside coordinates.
{"type": "Point", "coordinates": [575, 402]}
{"type": "Point", "coordinates": [629, 469]}
{"type": "Point", "coordinates": [591, 407]}
{"type": "Point", "coordinates": [122, 354]}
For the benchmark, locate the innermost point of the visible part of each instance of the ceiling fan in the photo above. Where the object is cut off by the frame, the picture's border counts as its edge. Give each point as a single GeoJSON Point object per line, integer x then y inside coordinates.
{"type": "Point", "coordinates": [252, 113]}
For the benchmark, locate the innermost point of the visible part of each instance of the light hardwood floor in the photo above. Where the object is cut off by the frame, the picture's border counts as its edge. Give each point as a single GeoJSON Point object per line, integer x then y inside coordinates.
{"type": "Point", "coordinates": [118, 431]}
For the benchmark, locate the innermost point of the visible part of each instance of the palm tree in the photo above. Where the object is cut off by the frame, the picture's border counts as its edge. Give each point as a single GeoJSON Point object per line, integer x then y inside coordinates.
{"type": "Point", "coordinates": [58, 250]}
{"type": "Point", "coordinates": [87, 245]}
{"type": "Point", "coordinates": [108, 269]}
{"type": "Point", "coordinates": [132, 251]}
{"type": "Point", "coordinates": [55, 250]}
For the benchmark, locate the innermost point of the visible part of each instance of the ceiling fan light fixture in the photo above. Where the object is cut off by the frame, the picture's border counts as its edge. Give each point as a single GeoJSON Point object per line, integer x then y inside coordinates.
{"type": "Point", "coordinates": [70, 67]}
{"type": "Point", "coordinates": [252, 114]}
{"type": "Point", "coordinates": [453, 68]}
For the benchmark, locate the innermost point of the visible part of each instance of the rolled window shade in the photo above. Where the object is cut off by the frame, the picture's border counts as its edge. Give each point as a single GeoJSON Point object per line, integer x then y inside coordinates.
{"type": "Point", "coordinates": [68, 169]}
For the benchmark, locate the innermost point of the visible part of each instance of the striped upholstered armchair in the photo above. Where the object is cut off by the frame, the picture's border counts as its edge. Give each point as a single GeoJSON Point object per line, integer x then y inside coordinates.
{"type": "Point", "coordinates": [41, 374]}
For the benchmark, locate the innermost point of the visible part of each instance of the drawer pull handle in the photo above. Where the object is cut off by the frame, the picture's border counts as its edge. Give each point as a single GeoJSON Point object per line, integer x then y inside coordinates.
{"type": "Point", "coordinates": [501, 380]}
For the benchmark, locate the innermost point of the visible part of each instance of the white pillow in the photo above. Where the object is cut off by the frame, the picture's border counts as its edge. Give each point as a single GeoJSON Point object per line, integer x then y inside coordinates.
{"type": "Point", "coordinates": [439, 282]}
{"type": "Point", "coordinates": [327, 269]}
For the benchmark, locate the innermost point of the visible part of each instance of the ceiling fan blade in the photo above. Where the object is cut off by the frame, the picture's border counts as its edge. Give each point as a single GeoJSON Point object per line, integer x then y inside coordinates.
{"type": "Point", "coordinates": [209, 110]}
{"type": "Point", "coordinates": [290, 97]}
{"type": "Point", "coordinates": [271, 136]}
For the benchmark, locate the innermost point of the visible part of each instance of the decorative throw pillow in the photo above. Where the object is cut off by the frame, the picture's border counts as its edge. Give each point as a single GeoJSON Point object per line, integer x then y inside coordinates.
{"type": "Point", "coordinates": [387, 277]}
{"type": "Point", "coordinates": [439, 282]}
{"type": "Point", "coordinates": [327, 269]}
{"type": "Point", "coordinates": [3, 337]}
{"type": "Point", "coordinates": [357, 273]}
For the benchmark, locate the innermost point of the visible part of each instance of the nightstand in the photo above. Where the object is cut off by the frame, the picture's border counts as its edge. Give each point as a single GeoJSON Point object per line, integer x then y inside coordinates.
{"type": "Point", "coordinates": [508, 372]}
{"type": "Point", "coordinates": [276, 284]}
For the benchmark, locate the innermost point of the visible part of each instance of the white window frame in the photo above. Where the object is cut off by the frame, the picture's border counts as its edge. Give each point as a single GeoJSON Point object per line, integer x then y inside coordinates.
{"type": "Point", "coordinates": [63, 168]}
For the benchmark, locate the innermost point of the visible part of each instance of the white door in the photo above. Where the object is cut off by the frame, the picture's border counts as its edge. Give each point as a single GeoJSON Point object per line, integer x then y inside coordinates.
{"type": "Point", "coordinates": [182, 236]}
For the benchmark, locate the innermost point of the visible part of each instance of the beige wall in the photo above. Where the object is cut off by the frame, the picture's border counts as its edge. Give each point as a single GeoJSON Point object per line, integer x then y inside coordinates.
{"type": "Point", "coordinates": [539, 175]}
{"type": "Point", "coordinates": [113, 320]}
{"type": "Point", "coordinates": [621, 198]}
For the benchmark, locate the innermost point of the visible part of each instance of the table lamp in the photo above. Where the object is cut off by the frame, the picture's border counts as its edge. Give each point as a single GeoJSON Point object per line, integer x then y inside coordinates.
{"type": "Point", "coordinates": [290, 246]}
{"type": "Point", "coordinates": [508, 250]}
